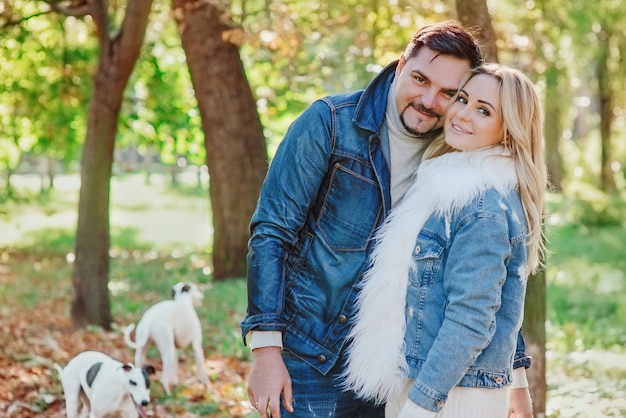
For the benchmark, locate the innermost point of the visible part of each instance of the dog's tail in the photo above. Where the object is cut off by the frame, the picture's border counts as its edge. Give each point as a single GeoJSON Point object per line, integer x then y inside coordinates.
{"type": "Point", "coordinates": [59, 369]}
{"type": "Point", "coordinates": [129, 342]}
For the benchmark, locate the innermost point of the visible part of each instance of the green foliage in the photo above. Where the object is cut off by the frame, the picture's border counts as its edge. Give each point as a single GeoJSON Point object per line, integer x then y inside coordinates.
{"type": "Point", "coordinates": [294, 52]}
{"type": "Point", "coordinates": [586, 276]}
{"type": "Point", "coordinates": [593, 208]}
{"type": "Point", "coordinates": [49, 241]}
{"type": "Point", "coordinates": [45, 84]}
{"type": "Point", "coordinates": [160, 109]}
{"type": "Point", "coordinates": [300, 51]}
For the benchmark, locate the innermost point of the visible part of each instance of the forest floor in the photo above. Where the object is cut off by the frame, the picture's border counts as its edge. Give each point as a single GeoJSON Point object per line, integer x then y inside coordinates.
{"type": "Point", "coordinates": [32, 341]}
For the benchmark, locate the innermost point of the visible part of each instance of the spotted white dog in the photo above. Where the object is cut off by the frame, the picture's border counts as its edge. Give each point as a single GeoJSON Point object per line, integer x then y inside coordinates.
{"type": "Point", "coordinates": [98, 386]}
{"type": "Point", "coordinates": [171, 324]}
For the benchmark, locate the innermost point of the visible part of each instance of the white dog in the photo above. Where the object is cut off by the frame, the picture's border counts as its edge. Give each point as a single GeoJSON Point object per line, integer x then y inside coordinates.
{"type": "Point", "coordinates": [171, 324]}
{"type": "Point", "coordinates": [98, 386]}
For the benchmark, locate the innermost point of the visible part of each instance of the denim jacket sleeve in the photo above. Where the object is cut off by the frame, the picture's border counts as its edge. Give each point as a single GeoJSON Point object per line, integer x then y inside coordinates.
{"type": "Point", "coordinates": [289, 190]}
{"type": "Point", "coordinates": [521, 359]}
{"type": "Point", "coordinates": [480, 243]}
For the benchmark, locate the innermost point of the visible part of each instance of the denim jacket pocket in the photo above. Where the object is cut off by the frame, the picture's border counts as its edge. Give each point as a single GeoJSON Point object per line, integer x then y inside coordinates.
{"type": "Point", "coordinates": [427, 256]}
{"type": "Point", "coordinates": [346, 219]}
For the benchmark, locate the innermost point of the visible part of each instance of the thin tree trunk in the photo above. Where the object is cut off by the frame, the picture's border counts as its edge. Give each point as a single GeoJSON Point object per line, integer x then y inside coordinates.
{"type": "Point", "coordinates": [535, 337]}
{"type": "Point", "coordinates": [235, 145]}
{"type": "Point", "coordinates": [552, 131]}
{"type": "Point", "coordinates": [90, 295]}
{"type": "Point", "coordinates": [474, 14]}
{"type": "Point", "coordinates": [605, 96]}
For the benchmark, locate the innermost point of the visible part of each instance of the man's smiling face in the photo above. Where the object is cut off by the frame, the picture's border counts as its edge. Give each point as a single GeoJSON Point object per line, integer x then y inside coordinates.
{"type": "Point", "coordinates": [425, 84]}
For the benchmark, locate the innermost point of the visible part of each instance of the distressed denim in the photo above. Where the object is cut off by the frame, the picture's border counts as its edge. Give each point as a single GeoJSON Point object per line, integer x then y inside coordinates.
{"type": "Point", "coordinates": [469, 279]}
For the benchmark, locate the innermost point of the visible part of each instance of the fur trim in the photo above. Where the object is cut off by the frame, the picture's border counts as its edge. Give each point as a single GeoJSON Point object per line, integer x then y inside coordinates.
{"type": "Point", "coordinates": [376, 366]}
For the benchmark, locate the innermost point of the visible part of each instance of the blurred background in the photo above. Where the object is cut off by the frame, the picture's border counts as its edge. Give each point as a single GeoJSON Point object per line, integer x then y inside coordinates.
{"type": "Point", "coordinates": [134, 137]}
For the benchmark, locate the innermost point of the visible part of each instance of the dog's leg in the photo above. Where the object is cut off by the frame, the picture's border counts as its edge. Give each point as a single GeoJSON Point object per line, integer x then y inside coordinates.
{"type": "Point", "coordinates": [199, 355]}
{"type": "Point", "coordinates": [165, 342]}
{"type": "Point", "coordinates": [85, 405]}
{"type": "Point", "coordinates": [142, 342]}
{"type": "Point", "coordinates": [140, 354]}
{"type": "Point", "coordinates": [72, 391]}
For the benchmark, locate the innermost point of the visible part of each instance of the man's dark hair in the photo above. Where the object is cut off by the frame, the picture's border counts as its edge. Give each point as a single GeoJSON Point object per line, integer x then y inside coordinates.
{"type": "Point", "coordinates": [447, 38]}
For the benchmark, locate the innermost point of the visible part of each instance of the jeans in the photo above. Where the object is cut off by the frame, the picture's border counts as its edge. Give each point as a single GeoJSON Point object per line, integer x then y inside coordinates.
{"type": "Point", "coordinates": [316, 395]}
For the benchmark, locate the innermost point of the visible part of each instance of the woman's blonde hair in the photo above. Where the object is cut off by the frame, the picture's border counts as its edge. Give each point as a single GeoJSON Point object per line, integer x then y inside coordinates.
{"type": "Point", "coordinates": [523, 138]}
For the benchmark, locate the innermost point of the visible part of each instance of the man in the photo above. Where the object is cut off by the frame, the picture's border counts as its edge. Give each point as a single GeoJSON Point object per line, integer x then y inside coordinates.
{"type": "Point", "coordinates": [341, 166]}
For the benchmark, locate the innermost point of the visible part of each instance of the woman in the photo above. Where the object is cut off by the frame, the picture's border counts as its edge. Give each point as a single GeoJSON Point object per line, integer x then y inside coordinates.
{"type": "Point", "coordinates": [442, 302]}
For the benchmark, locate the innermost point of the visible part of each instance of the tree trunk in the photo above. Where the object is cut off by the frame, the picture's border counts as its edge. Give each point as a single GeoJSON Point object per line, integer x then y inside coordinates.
{"type": "Point", "coordinates": [235, 146]}
{"type": "Point", "coordinates": [535, 336]}
{"type": "Point", "coordinates": [605, 98]}
{"type": "Point", "coordinates": [90, 295]}
{"type": "Point", "coordinates": [474, 14]}
{"type": "Point", "coordinates": [554, 108]}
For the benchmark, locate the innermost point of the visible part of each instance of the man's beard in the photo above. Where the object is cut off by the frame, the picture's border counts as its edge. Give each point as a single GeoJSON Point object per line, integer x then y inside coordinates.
{"type": "Point", "coordinates": [421, 108]}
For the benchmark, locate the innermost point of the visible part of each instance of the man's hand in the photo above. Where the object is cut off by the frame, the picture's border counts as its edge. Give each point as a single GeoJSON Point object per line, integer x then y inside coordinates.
{"type": "Point", "coordinates": [521, 405]}
{"type": "Point", "coordinates": [269, 379]}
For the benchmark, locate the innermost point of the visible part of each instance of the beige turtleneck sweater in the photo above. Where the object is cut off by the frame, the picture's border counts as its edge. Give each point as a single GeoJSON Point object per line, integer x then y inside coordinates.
{"type": "Point", "coordinates": [405, 150]}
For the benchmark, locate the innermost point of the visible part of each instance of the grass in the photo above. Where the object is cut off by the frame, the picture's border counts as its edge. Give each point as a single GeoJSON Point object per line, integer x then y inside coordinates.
{"type": "Point", "coordinates": [586, 300]}
{"type": "Point", "coordinates": [587, 280]}
{"type": "Point", "coordinates": [586, 275]}
{"type": "Point", "coordinates": [138, 279]}
{"type": "Point", "coordinates": [153, 246]}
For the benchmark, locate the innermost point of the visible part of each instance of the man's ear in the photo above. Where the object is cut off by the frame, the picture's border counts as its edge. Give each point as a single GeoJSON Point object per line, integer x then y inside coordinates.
{"type": "Point", "coordinates": [400, 66]}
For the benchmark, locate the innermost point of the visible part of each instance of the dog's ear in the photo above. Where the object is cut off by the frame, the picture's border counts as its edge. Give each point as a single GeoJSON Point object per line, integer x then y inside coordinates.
{"type": "Point", "coordinates": [173, 292]}
{"type": "Point", "coordinates": [186, 287]}
{"type": "Point", "coordinates": [93, 372]}
{"type": "Point", "coordinates": [146, 371]}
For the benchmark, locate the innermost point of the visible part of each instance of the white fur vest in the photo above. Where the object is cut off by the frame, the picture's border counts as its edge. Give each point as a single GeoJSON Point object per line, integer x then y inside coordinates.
{"type": "Point", "coordinates": [443, 186]}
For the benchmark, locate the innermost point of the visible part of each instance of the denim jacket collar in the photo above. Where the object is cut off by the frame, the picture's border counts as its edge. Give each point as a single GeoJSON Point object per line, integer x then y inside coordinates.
{"type": "Point", "coordinates": [369, 114]}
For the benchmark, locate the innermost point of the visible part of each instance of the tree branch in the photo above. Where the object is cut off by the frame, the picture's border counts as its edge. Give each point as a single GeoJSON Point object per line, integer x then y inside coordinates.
{"type": "Point", "coordinates": [76, 8]}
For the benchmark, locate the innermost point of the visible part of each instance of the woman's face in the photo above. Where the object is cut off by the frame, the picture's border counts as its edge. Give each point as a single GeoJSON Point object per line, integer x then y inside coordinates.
{"type": "Point", "coordinates": [474, 120]}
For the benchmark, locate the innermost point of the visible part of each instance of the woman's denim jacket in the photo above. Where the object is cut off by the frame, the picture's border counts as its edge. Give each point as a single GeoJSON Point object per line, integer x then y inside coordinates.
{"type": "Point", "coordinates": [325, 193]}
{"type": "Point", "coordinates": [470, 279]}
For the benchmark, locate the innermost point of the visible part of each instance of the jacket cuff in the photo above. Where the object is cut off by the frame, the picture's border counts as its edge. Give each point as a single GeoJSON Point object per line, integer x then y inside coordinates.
{"type": "Point", "coordinates": [260, 339]}
{"type": "Point", "coordinates": [519, 378]}
{"type": "Point", "coordinates": [426, 397]}
{"type": "Point", "coordinates": [521, 360]}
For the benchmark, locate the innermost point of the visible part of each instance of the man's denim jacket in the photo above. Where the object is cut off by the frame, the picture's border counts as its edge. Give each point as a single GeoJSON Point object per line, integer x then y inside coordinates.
{"type": "Point", "coordinates": [325, 193]}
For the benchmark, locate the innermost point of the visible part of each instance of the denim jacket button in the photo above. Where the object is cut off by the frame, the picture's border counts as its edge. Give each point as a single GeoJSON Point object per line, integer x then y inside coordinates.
{"type": "Point", "coordinates": [440, 404]}
{"type": "Point", "coordinates": [417, 249]}
{"type": "Point", "coordinates": [321, 358]}
{"type": "Point", "coordinates": [343, 319]}
{"type": "Point", "coordinates": [498, 380]}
